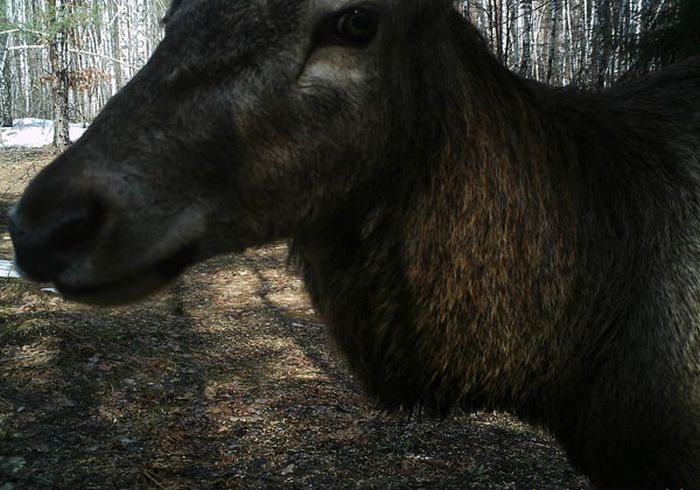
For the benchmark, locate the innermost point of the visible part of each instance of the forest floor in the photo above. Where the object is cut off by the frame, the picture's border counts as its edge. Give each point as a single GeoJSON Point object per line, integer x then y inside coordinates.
{"type": "Point", "coordinates": [225, 380]}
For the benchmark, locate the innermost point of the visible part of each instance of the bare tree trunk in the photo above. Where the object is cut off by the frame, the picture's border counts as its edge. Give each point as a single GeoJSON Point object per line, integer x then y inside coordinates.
{"type": "Point", "coordinates": [601, 37]}
{"type": "Point", "coordinates": [58, 59]}
{"type": "Point", "coordinates": [553, 38]}
{"type": "Point", "coordinates": [5, 97]}
{"type": "Point", "coordinates": [526, 55]}
{"type": "Point", "coordinates": [118, 80]}
{"type": "Point", "coordinates": [5, 87]}
{"type": "Point", "coordinates": [498, 21]}
{"type": "Point", "coordinates": [513, 34]}
{"type": "Point", "coordinates": [570, 53]}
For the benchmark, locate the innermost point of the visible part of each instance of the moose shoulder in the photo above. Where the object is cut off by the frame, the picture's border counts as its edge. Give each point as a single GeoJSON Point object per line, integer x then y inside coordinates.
{"type": "Point", "coordinates": [471, 238]}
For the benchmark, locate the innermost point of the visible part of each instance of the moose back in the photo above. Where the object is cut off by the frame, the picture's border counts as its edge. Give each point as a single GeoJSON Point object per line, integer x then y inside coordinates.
{"type": "Point", "coordinates": [471, 238]}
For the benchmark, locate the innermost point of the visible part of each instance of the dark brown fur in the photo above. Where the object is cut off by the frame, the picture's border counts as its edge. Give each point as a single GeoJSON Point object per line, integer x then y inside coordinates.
{"type": "Point", "coordinates": [471, 238]}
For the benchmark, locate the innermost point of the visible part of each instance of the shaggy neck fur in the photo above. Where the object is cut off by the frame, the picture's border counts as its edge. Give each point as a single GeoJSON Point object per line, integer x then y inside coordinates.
{"type": "Point", "coordinates": [508, 262]}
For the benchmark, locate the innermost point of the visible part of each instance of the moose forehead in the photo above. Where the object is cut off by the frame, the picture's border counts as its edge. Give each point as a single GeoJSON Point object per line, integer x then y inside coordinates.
{"type": "Point", "coordinates": [239, 14]}
{"type": "Point", "coordinates": [205, 22]}
{"type": "Point", "coordinates": [205, 38]}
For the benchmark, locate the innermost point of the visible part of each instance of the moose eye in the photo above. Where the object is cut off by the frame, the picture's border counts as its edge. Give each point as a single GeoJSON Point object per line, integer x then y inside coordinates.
{"type": "Point", "coordinates": [357, 26]}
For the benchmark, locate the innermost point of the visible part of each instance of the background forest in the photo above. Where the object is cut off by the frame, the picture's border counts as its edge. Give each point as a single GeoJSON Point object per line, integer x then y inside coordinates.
{"type": "Point", "coordinates": [62, 59]}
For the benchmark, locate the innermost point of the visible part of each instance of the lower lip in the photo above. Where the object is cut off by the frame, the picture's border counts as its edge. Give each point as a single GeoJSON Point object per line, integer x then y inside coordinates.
{"type": "Point", "coordinates": [133, 287]}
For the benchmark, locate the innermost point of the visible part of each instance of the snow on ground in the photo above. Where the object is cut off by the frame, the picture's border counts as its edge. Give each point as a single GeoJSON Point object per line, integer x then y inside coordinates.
{"type": "Point", "coordinates": [33, 133]}
{"type": "Point", "coordinates": [7, 270]}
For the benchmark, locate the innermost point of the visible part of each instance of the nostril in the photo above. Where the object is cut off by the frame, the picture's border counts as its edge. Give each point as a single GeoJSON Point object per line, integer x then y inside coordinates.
{"type": "Point", "coordinates": [48, 240]}
{"type": "Point", "coordinates": [75, 228]}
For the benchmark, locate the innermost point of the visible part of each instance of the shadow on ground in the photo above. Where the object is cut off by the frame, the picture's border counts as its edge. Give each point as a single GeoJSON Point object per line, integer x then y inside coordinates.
{"type": "Point", "coordinates": [225, 381]}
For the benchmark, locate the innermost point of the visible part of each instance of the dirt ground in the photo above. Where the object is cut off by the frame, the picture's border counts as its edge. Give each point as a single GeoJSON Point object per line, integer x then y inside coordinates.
{"type": "Point", "coordinates": [225, 380]}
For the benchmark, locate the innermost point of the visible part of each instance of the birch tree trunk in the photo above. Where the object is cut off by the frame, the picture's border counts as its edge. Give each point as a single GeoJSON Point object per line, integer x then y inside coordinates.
{"type": "Point", "coordinates": [58, 59]}
{"type": "Point", "coordinates": [5, 94]}
{"type": "Point", "coordinates": [553, 37]}
{"type": "Point", "coordinates": [514, 32]}
{"type": "Point", "coordinates": [5, 91]}
{"type": "Point", "coordinates": [526, 53]}
{"type": "Point", "coordinates": [601, 46]}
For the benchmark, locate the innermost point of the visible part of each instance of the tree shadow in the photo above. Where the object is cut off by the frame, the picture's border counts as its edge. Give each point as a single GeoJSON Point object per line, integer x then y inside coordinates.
{"type": "Point", "coordinates": [462, 451]}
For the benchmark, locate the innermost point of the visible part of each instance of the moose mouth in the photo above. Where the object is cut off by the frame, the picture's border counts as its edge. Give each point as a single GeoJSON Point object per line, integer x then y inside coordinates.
{"type": "Point", "coordinates": [132, 287]}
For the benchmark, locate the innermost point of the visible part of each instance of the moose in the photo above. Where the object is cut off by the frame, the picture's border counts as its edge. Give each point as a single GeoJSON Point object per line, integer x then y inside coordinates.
{"type": "Point", "coordinates": [473, 239]}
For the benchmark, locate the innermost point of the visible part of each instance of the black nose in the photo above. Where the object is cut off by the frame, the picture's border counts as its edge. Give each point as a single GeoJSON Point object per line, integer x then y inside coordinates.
{"type": "Point", "coordinates": [48, 240]}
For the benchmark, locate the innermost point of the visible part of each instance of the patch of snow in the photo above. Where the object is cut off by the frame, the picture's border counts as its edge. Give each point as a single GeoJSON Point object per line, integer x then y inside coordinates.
{"type": "Point", "coordinates": [7, 270]}
{"type": "Point", "coordinates": [31, 132]}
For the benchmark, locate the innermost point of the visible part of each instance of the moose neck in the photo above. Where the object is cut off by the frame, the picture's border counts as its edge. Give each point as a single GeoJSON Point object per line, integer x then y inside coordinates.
{"type": "Point", "coordinates": [491, 243]}
{"type": "Point", "coordinates": [470, 257]}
